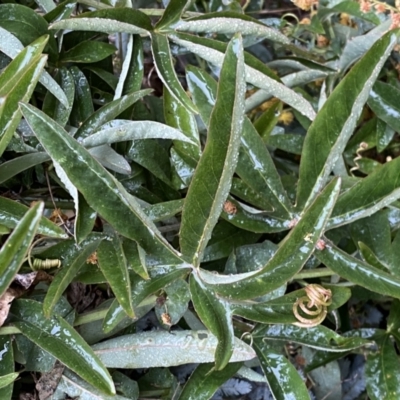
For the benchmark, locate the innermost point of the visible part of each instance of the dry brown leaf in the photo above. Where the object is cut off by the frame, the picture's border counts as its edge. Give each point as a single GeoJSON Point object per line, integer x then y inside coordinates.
{"type": "Point", "coordinates": [48, 382]}
{"type": "Point", "coordinates": [5, 304]}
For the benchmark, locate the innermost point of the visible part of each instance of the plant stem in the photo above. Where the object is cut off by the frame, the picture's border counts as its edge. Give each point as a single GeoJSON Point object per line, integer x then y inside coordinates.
{"type": "Point", "coordinates": [313, 273]}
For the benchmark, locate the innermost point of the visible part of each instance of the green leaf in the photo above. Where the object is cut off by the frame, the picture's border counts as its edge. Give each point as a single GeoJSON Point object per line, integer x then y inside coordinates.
{"type": "Point", "coordinates": [382, 371]}
{"type": "Point", "coordinates": [180, 118]}
{"type": "Point", "coordinates": [26, 24]}
{"type": "Point", "coordinates": [393, 322]}
{"type": "Point", "coordinates": [106, 76]}
{"type": "Point", "coordinates": [153, 156]}
{"type": "Point", "coordinates": [213, 176]}
{"type": "Point", "coordinates": [229, 22]}
{"type": "Point", "coordinates": [6, 380]}
{"type": "Point", "coordinates": [292, 254]}
{"type": "Point", "coordinates": [161, 211]}
{"type": "Point", "coordinates": [88, 52]}
{"type": "Point", "coordinates": [368, 195]}
{"type": "Point", "coordinates": [255, 165]}
{"type": "Point", "coordinates": [7, 364]}
{"type": "Point", "coordinates": [384, 135]}
{"type": "Point", "coordinates": [13, 167]}
{"type": "Point", "coordinates": [13, 252]}
{"type": "Point", "coordinates": [243, 191]}
{"type": "Point", "coordinates": [216, 316]}
{"type": "Point", "coordinates": [122, 130]}
{"type": "Point", "coordinates": [177, 297]}
{"type": "Point", "coordinates": [160, 349]}
{"type": "Point", "coordinates": [358, 272]}
{"type": "Point", "coordinates": [351, 8]}
{"type": "Point", "coordinates": [107, 113]}
{"type": "Point", "coordinates": [17, 83]}
{"type": "Point", "coordinates": [11, 213]}
{"type": "Point", "coordinates": [377, 240]}
{"type": "Point", "coordinates": [166, 70]}
{"type": "Point", "coordinates": [251, 219]}
{"type": "Point", "coordinates": [383, 100]}
{"type": "Point", "coordinates": [203, 48]}
{"type": "Point", "coordinates": [205, 381]}
{"type": "Point", "coordinates": [283, 379]}
{"type": "Point", "coordinates": [225, 239]}
{"type": "Point", "coordinates": [110, 159]}
{"type": "Point", "coordinates": [63, 10]}
{"type": "Point", "coordinates": [83, 105]}
{"type": "Point", "coordinates": [109, 21]}
{"type": "Point", "coordinates": [135, 73]}
{"type": "Point", "coordinates": [335, 122]}
{"type": "Point", "coordinates": [53, 106]}
{"type": "Point", "coordinates": [140, 289]}
{"type": "Point", "coordinates": [171, 15]}
{"type": "Point", "coordinates": [104, 194]}
{"type": "Point", "coordinates": [117, 83]}
{"type": "Point", "coordinates": [71, 263]}
{"type": "Point", "coordinates": [112, 263]}
{"type": "Point", "coordinates": [71, 386]}
{"type": "Point", "coordinates": [290, 142]}
{"type": "Point", "coordinates": [58, 338]}
{"type": "Point", "coordinates": [85, 219]}
{"type": "Point", "coordinates": [280, 310]}
{"type": "Point", "coordinates": [12, 47]}
{"type": "Point", "coordinates": [20, 66]}
{"type": "Point", "coordinates": [256, 168]}
{"type": "Point", "coordinates": [136, 258]}
{"type": "Point", "coordinates": [317, 337]}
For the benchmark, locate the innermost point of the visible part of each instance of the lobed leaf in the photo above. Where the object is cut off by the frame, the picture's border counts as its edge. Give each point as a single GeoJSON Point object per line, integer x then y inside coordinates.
{"type": "Point", "coordinates": [213, 176]}
{"type": "Point", "coordinates": [329, 133]}
{"type": "Point", "coordinates": [290, 257]}
{"type": "Point", "coordinates": [358, 272]}
{"type": "Point", "coordinates": [255, 165]}
{"type": "Point", "coordinates": [105, 194]}
{"type": "Point", "coordinates": [368, 195]}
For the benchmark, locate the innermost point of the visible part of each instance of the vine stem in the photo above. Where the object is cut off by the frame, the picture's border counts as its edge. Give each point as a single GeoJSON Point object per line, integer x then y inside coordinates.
{"type": "Point", "coordinates": [313, 273]}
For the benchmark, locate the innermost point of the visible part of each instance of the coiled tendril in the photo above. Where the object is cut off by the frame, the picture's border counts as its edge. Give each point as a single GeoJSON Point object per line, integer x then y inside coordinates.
{"type": "Point", "coordinates": [315, 305]}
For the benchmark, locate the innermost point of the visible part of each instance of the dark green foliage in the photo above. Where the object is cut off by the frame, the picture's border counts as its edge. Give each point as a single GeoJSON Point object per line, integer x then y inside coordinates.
{"type": "Point", "coordinates": [191, 174]}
